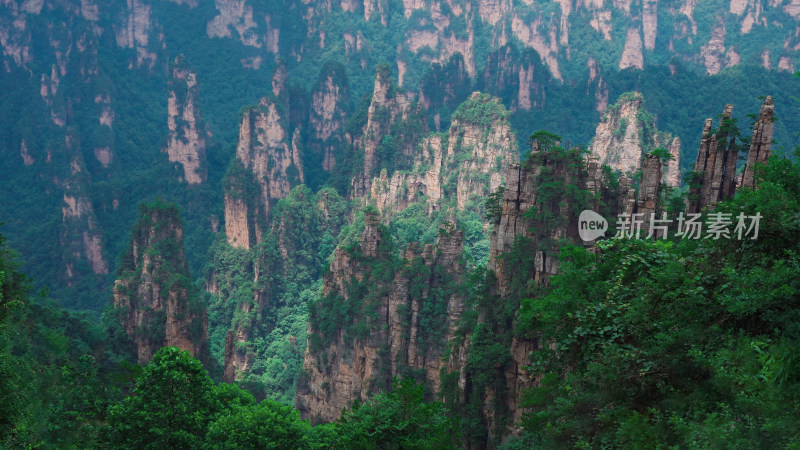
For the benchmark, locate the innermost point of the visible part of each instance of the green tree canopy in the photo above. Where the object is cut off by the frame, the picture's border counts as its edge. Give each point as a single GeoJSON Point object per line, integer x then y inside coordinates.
{"type": "Point", "coordinates": [170, 407]}
{"type": "Point", "coordinates": [397, 420]}
{"type": "Point", "coordinates": [266, 425]}
{"type": "Point", "coordinates": [680, 344]}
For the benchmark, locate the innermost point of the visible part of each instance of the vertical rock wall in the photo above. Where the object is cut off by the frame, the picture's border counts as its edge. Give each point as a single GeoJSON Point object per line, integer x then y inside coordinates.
{"type": "Point", "coordinates": [267, 166]}
{"type": "Point", "coordinates": [760, 145]}
{"type": "Point", "coordinates": [154, 298]}
{"type": "Point", "coordinates": [714, 177]}
{"type": "Point", "coordinates": [626, 134]}
{"type": "Point", "coordinates": [186, 142]}
{"type": "Point", "coordinates": [343, 364]}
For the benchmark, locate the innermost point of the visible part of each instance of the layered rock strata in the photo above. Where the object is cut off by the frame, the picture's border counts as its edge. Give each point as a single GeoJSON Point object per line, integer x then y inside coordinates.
{"type": "Point", "coordinates": [186, 142]}
{"type": "Point", "coordinates": [715, 177]}
{"type": "Point", "coordinates": [266, 167]}
{"type": "Point", "coordinates": [626, 134]}
{"type": "Point", "coordinates": [411, 310]}
{"type": "Point", "coordinates": [761, 142]}
{"type": "Point", "coordinates": [466, 164]}
{"type": "Point", "coordinates": [154, 298]}
{"type": "Point", "coordinates": [388, 106]}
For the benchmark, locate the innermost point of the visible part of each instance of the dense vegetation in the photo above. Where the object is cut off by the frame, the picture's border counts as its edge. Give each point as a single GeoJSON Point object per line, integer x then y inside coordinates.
{"type": "Point", "coordinates": [679, 342]}
{"type": "Point", "coordinates": [140, 171]}
{"type": "Point", "coordinates": [264, 292]}
{"type": "Point", "coordinates": [62, 385]}
{"type": "Point", "coordinates": [672, 343]}
{"type": "Point", "coordinates": [56, 375]}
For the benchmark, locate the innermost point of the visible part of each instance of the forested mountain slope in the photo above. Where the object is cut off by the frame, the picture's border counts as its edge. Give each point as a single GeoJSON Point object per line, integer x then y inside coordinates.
{"type": "Point", "coordinates": [107, 104]}
{"type": "Point", "coordinates": [337, 206]}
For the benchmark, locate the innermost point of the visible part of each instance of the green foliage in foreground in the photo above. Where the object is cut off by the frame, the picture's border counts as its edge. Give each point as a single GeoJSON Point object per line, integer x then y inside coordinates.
{"type": "Point", "coordinates": [397, 420]}
{"type": "Point", "coordinates": [658, 344]}
{"type": "Point", "coordinates": [170, 407]}
{"type": "Point", "coordinates": [266, 425]}
{"type": "Point", "coordinates": [175, 405]}
{"type": "Point", "coordinates": [55, 374]}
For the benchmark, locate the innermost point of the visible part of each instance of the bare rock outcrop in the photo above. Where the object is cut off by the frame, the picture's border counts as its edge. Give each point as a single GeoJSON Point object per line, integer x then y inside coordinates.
{"type": "Point", "coordinates": [154, 298]}
{"type": "Point", "coordinates": [403, 188]}
{"type": "Point", "coordinates": [535, 211]}
{"type": "Point", "coordinates": [479, 146]}
{"type": "Point", "coordinates": [136, 30]}
{"type": "Point", "coordinates": [186, 142]}
{"type": "Point", "coordinates": [236, 16]}
{"type": "Point", "coordinates": [329, 101]}
{"type": "Point", "coordinates": [401, 325]}
{"type": "Point", "coordinates": [81, 232]}
{"type": "Point", "coordinates": [367, 326]}
{"type": "Point", "coordinates": [509, 70]}
{"type": "Point", "coordinates": [627, 133]}
{"type": "Point", "coordinates": [388, 106]}
{"type": "Point", "coordinates": [254, 288]}
{"type": "Point", "coordinates": [632, 54]}
{"type": "Point", "coordinates": [81, 236]}
{"type": "Point", "coordinates": [649, 186]}
{"type": "Point", "coordinates": [714, 177]}
{"type": "Point", "coordinates": [266, 167]}
{"type": "Point", "coordinates": [761, 142]}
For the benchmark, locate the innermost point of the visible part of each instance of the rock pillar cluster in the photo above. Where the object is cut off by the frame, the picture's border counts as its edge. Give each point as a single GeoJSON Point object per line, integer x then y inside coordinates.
{"type": "Point", "coordinates": [714, 178]}
{"type": "Point", "coordinates": [409, 305]}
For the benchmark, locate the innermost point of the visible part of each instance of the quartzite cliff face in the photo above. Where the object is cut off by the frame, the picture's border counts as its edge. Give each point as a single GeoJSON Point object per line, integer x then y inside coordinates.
{"type": "Point", "coordinates": [387, 300]}
{"type": "Point", "coordinates": [400, 313]}
{"type": "Point", "coordinates": [403, 302]}
{"type": "Point", "coordinates": [154, 298]}
{"type": "Point", "coordinates": [253, 288]}
{"type": "Point", "coordinates": [84, 68]}
{"type": "Point", "coordinates": [266, 167]}
{"type": "Point", "coordinates": [186, 142]}
{"type": "Point", "coordinates": [330, 101]}
{"type": "Point", "coordinates": [627, 133]}
{"type": "Point", "coordinates": [436, 31]}
{"type": "Point", "coordinates": [397, 164]}
{"type": "Point", "coordinates": [536, 215]}
{"type": "Point", "coordinates": [80, 233]}
{"type": "Point", "coordinates": [389, 109]}
{"type": "Point", "coordinates": [714, 178]}
{"type": "Point", "coordinates": [464, 165]}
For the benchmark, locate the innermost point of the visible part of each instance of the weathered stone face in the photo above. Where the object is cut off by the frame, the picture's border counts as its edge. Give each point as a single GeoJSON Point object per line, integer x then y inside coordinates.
{"type": "Point", "coordinates": [186, 142]}
{"type": "Point", "coordinates": [475, 158]}
{"type": "Point", "coordinates": [270, 158]}
{"type": "Point", "coordinates": [344, 370]}
{"type": "Point", "coordinates": [395, 193]}
{"type": "Point", "coordinates": [80, 232]}
{"type": "Point", "coordinates": [489, 150]}
{"type": "Point", "coordinates": [153, 296]}
{"type": "Point", "coordinates": [649, 186]}
{"type": "Point", "coordinates": [623, 139]}
{"type": "Point", "coordinates": [347, 369]}
{"type": "Point", "coordinates": [522, 193]}
{"type": "Point", "coordinates": [715, 168]}
{"type": "Point", "coordinates": [385, 108]}
{"type": "Point", "coordinates": [760, 146]}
